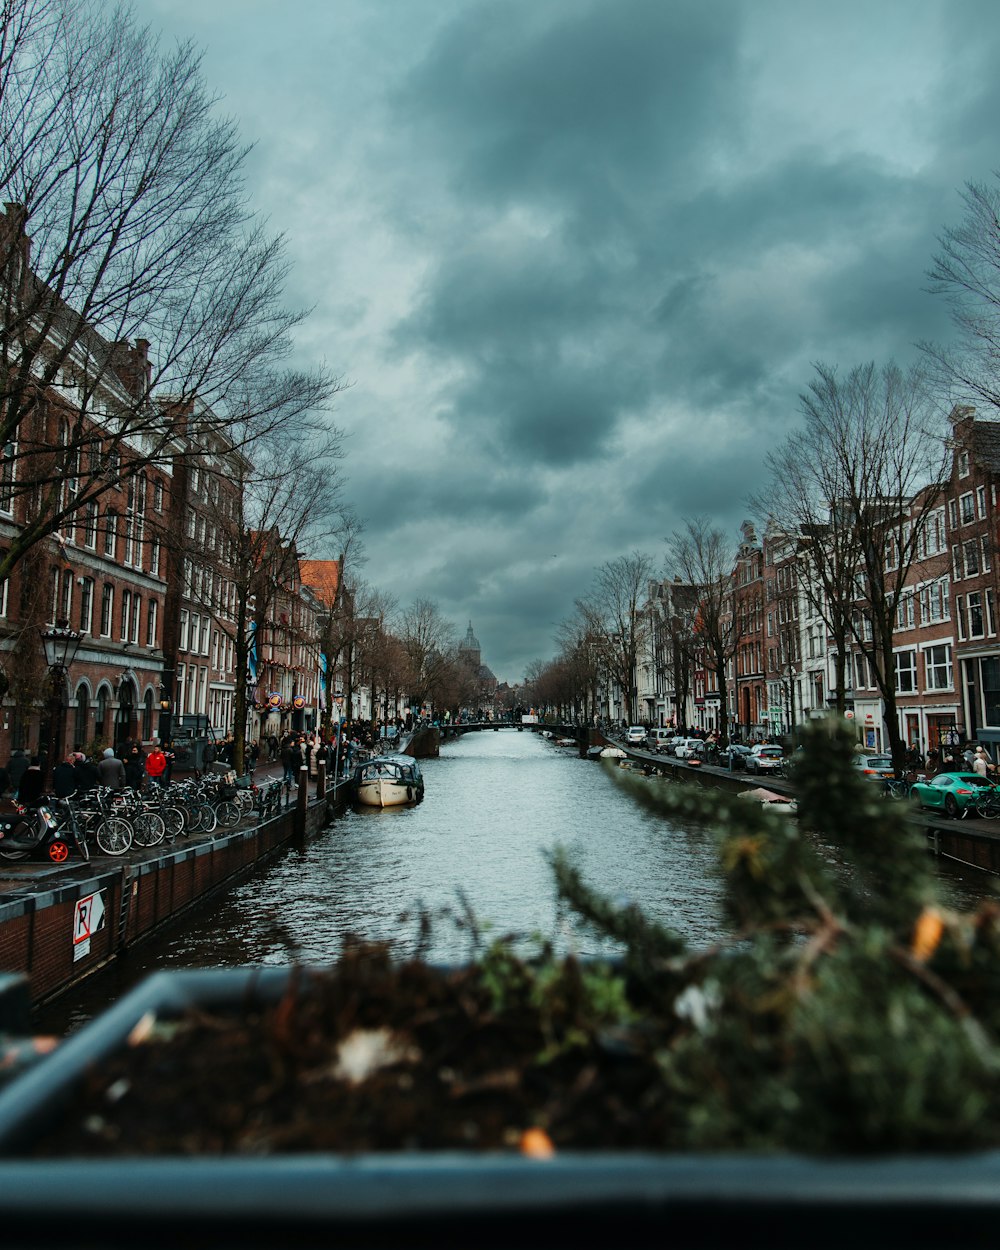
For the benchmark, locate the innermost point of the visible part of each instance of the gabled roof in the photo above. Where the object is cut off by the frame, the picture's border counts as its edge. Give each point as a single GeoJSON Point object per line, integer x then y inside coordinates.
{"type": "Point", "coordinates": [323, 579]}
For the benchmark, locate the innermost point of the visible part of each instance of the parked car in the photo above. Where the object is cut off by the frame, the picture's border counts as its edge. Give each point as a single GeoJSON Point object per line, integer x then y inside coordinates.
{"type": "Point", "coordinates": [658, 738]}
{"type": "Point", "coordinates": [953, 793]}
{"type": "Point", "coordinates": [672, 743]}
{"type": "Point", "coordinates": [734, 756]}
{"type": "Point", "coordinates": [877, 767]}
{"type": "Point", "coordinates": [765, 759]}
{"type": "Point", "coordinates": [635, 736]}
{"type": "Point", "coordinates": [688, 747]}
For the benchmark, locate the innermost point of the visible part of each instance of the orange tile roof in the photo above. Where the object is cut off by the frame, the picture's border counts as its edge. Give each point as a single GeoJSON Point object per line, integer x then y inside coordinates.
{"type": "Point", "coordinates": [322, 577]}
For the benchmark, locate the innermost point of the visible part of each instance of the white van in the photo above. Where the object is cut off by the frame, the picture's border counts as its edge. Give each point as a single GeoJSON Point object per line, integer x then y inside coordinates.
{"type": "Point", "coordinates": [660, 737]}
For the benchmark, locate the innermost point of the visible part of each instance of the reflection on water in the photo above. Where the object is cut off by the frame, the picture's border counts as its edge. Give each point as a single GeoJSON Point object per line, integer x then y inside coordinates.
{"type": "Point", "coordinates": [495, 804]}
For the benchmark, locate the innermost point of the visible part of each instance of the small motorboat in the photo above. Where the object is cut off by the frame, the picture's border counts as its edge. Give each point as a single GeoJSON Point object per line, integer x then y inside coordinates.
{"type": "Point", "coordinates": [388, 781]}
{"type": "Point", "coordinates": [594, 752]}
{"type": "Point", "coordinates": [769, 798]}
{"type": "Point", "coordinates": [613, 753]}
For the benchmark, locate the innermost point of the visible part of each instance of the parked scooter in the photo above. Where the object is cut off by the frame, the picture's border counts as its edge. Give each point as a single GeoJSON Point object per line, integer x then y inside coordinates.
{"type": "Point", "coordinates": [48, 831]}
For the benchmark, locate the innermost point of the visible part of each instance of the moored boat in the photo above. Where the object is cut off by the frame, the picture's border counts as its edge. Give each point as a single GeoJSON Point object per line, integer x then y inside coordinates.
{"type": "Point", "coordinates": [388, 781]}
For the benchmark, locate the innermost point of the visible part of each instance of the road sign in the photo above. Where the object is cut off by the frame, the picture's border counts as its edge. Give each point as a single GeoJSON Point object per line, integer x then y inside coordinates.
{"type": "Point", "coordinates": [88, 918]}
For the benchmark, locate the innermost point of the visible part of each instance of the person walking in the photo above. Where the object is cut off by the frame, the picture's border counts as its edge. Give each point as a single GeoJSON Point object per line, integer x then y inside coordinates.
{"type": "Point", "coordinates": [286, 764]}
{"type": "Point", "coordinates": [296, 758]}
{"type": "Point", "coordinates": [64, 777]}
{"type": "Point", "coordinates": [86, 773]}
{"type": "Point", "coordinates": [16, 767]}
{"type": "Point", "coordinates": [111, 771]}
{"type": "Point", "coordinates": [31, 788]}
{"type": "Point", "coordinates": [156, 765]}
{"type": "Point", "coordinates": [135, 767]}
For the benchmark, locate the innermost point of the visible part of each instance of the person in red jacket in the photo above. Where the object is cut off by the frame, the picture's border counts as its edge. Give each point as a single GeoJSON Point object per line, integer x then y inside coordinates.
{"type": "Point", "coordinates": [156, 765]}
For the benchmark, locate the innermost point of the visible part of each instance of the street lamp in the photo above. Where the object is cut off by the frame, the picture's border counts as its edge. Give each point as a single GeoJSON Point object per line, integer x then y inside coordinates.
{"type": "Point", "coordinates": [61, 645]}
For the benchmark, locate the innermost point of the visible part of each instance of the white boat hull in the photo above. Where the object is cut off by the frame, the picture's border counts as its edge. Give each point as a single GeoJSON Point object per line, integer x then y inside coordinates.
{"type": "Point", "coordinates": [381, 792]}
{"type": "Point", "coordinates": [388, 781]}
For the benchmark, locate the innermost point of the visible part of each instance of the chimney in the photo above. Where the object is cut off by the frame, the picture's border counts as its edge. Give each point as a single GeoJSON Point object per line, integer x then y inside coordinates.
{"type": "Point", "coordinates": [132, 366]}
{"type": "Point", "coordinates": [15, 244]}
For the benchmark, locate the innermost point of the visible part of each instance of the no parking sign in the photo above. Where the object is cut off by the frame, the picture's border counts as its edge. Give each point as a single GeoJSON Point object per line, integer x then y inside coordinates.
{"type": "Point", "coordinates": [88, 918]}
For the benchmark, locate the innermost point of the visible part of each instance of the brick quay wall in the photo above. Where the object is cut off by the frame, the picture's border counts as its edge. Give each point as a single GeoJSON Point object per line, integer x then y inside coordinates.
{"type": "Point", "coordinates": [58, 926]}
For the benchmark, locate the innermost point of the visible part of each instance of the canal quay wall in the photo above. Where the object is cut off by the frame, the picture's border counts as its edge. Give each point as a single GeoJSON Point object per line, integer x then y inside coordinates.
{"type": "Point", "coordinates": [60, 924]}
{"type": "Point", "coordinates": [968, 840]}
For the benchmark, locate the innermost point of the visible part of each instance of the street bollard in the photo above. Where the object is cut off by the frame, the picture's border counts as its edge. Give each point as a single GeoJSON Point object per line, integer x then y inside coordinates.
{"type": "Point", "coordinates": [321, 779]}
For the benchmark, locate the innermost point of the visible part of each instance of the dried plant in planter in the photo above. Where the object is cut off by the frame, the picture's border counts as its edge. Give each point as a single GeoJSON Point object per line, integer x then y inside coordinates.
{"type": "Point", "coordinates": [845, 1015]}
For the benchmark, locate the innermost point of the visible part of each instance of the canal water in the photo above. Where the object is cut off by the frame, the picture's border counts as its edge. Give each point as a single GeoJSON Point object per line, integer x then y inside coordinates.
{"type": "Point", "coordinates": [496, 804]}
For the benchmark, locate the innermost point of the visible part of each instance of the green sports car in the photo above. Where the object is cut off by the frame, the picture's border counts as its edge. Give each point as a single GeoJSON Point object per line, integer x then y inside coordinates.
{"type": "Point", "coordinates": [953, 793]}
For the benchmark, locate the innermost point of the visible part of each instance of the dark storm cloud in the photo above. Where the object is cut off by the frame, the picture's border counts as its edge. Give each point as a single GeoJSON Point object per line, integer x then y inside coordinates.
{"type": "Point", "coordinates": [535, 100]}
{"type": "Point", "coordinates": [581, 255]}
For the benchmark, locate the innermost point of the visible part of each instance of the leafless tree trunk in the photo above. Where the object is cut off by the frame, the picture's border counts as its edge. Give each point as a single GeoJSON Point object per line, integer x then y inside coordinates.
{"type": "Point", "coordinates": [429, 642]}
{"type": "Point", "coordinates": [870, 445]}
{"type": "Point", "coordinates": [614, 616]}
{"type": "Point", "coordinates": [264, 516]}
{"type": "Point", "coordinates": [703, 557]}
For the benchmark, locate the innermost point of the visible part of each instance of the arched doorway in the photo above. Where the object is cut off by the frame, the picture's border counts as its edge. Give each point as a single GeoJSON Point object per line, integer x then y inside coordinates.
{"type": "Point", "coordinates": [102, 718]}
{"type": "Point", "coordinates": [126, 726]}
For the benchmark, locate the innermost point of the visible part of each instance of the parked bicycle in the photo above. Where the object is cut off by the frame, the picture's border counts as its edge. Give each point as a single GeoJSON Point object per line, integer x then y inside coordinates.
{"type": "Point", "coordinates": [267, 800]}
{"type": "Point", "coordinates": [988, 805]}
{"type": "Point", "coordinates": [99, 814]}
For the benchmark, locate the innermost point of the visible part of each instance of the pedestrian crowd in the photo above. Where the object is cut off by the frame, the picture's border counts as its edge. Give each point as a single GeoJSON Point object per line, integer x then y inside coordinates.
{"type": "Point", "coordinates": [131, 764]}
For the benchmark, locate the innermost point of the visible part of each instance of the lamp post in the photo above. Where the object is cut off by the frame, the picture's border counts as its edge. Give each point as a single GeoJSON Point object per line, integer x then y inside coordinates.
{"type": "Point", "coordinates": [164, 730]}
{"type": "Point", "coordinates": [61, 645]}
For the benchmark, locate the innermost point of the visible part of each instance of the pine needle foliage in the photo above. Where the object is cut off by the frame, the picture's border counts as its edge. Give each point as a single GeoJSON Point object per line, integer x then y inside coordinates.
{"type": "Point", "coordinates": [848, 1012]}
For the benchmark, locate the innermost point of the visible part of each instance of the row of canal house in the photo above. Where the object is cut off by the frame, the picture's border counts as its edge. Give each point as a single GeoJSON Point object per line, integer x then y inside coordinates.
{"type": "Point", "coordinates": [156, 615]}
{"type": "Point", "coordinates": [142, 569]}
{"type": "Point", "coordinates": [946, 650]}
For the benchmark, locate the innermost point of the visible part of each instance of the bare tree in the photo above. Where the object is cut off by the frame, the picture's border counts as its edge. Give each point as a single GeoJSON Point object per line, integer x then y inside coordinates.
{"type": "Point", "coordinates": [615, 618]}
{"type": "Point", "coordinates": [262, 516]}
{"type": "Point", "coordinates": [801, 502]}
{"type": "Point", "coordinates": [966, 272]}
{"type": "Point", "coordinates": [131, 266]}
{"type": "Point", "coordinates": [870, 444]}
{"type": "Point", "coordinates": [703, 557]}
{"type": "Point", "coordinates": [580, 657]}
{"type": "Point", "coordinates": [429, 642]}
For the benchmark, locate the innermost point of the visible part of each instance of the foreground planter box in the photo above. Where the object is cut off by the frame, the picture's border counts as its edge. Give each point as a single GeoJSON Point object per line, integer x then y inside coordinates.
{"type": "Point", "coordinates": [407, 1199]}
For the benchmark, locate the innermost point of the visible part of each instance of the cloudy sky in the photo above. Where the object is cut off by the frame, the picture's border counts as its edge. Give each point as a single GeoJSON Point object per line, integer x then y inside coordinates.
{"type": "Point", "coordinates": [578, 257]}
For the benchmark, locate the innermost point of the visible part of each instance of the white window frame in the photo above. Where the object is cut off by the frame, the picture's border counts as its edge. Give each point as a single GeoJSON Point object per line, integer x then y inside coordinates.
{"type": "Point", "coordinates": [910, 670]}
{"type": "Point", "coordinates": [933, 667]}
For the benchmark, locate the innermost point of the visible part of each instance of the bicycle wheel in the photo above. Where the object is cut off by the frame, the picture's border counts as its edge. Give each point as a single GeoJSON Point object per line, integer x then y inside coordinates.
{"type": "Point", "coordinates": [173, 822]}
{"type": "Point", "coordinates": [13, 854]}
{"type": "Point", "coordinates": [207, 821]}
{"type": "Point", "coordinates": [227, 814]}
{"type": "Point", "coordinates": [192, 817]}
{"type": "Point", "coordinates": [245, 802]}
{"type": "Point", "coordinates": [148, 829]}
{"type": "Point", "coordinates": [114, 835]}
{"type": "Point", "coordinates": [80, 839]}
